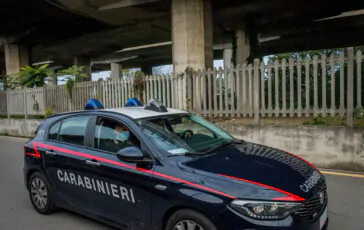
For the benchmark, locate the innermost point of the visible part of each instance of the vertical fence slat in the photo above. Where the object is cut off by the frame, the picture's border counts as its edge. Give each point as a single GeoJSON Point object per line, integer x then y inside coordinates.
{"type": "Point", "coordinates": [182, 91]}
{"type": "Point", "coordinates": [276, 77]}
{"type": "Point", "coordinates": [197, 94]}
{"type": "Point", "coordinates": [205, 77]}
{"type": "Point", "coordinates": [262, 88]}
{"type": "Point", "coordinates": [350, 89]}
{"type": "Point", "coordinates": [284, 77]}
{"type": "Point", "coordinates": [233, 90]}
{"type": "Point", "coordinates": [315, 85]}
{"type": "Point", "coordinates": [358, 77]}
{"type": "Point", "coordinates": [173, 91]}
{"type": "Point", "coordinates": [332, 68]}
{"type": "Point", "coordinates": [238, 91]}
{"type": "Point", "coordinates": [209, 90]}
{"type": "Point", "coordinates": [160, 87]}
{"type": "Point", "coordinates": [245, 90]}
{"type": "Point", "coordinates": [323, 65]}
{"type": "Point", "coordinates": [164, 89]}
{"type": "Point", "coordinates": [270, 107]}
{"type": "Point", "coordinates": [220, 91]}
{"type": "Point", "coordinates": [342, 96]}
{"type": "Point", "coordinates": [104, 90]}
{"type": "Point", "coordinates": [307, 85]}
{"type": "Point", "coordinates": [250, 84]}
{"type": "Point", "coordinates": [256, 91]}
{"type": "Point", "coordinates": [118, 93]}
{"type": "Point", "coordinates": [155, 82]}
{"type": "Point", "coordinates": [170, 89]}
{"type": "Point", "coordinates": [291, 87]}
{"type": "Point", "coordinates": [122, 90]}
{"type": "Point", "coordinates": [148, 89]}
{"type": "Point", "coordinates": [226, 91]}
{"type": "Point", "coordinates": [299, 87]}
{"type": "Point", "coordinates": [25, 103]}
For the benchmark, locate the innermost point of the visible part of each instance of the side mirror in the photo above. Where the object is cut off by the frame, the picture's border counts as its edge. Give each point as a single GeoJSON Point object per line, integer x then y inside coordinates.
{"type": "Point", "coordinates": [132, 155]}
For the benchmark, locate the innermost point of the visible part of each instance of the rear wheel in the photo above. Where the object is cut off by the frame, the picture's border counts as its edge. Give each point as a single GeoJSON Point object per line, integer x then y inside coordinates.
{"type": "Point", "coordinates": [40, 193]}
{"type": "Point", "coordinates": [186, 219]}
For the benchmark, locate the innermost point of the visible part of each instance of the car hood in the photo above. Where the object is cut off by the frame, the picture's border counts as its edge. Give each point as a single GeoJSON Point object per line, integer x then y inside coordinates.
{"type": "Point", "coordinates": [268, 168]}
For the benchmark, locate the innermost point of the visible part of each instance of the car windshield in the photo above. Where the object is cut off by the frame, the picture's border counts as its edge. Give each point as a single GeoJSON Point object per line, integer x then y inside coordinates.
{"type": "Point", "coordinates": [183, 134]}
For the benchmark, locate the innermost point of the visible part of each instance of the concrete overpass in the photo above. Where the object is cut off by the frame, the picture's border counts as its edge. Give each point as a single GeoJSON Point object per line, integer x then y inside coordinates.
{"type": "Point", "coordinates": [146, 33]}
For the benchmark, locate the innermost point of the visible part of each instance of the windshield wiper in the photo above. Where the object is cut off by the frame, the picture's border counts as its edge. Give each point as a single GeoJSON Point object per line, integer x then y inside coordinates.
{"type": "Point", "coordinates": [183, 154]}
{"type": "Point", "coordinates": [227, 142]}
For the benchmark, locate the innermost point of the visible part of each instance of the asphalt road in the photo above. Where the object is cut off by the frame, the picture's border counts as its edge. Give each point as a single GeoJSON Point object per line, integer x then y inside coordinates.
{"type": "Point", "coordinates": [346, 197]}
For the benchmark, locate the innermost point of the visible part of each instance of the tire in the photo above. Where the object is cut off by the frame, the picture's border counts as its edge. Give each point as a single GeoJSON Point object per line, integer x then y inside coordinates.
{"type": "Point", "coordinates": [184, 218]}
{"type": "Point", "coordinates": [40, 194]}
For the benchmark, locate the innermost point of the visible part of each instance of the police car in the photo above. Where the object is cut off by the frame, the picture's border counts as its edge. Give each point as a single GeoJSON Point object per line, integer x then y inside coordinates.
{"type": "Point", "coordinates": [152, 168]}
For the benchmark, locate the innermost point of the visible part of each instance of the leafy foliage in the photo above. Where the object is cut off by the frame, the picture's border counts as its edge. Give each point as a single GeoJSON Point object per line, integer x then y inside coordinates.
{"type": "Point", "coordinates": [32, 76]}
{"type": "Point", "coordinates": [71, 75]}
{"type": "Point", "coordinates": [139, 84]}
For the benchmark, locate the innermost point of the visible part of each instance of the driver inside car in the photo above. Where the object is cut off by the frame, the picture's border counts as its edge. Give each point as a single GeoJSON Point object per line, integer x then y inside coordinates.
{"type": "Point", "coordinates": [122, 133]}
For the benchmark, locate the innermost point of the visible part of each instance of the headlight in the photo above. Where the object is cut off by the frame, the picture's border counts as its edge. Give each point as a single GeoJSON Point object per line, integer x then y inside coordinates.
{"type": "Point", "coordinates": [262, 210]}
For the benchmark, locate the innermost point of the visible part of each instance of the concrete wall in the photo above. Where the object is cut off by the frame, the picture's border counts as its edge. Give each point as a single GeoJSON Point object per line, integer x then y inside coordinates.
{"type": "Point", "coordinates": [19, 127]}
{"type": "Point", "coordinates": [333, 147]}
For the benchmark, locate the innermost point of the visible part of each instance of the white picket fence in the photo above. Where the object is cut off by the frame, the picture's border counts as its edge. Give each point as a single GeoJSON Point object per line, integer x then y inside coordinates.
{"type": "Point", "coordinates": [310, 87]}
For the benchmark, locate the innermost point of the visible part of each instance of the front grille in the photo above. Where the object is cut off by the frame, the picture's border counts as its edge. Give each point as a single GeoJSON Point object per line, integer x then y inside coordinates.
{"type": "Point", "coordinates": [311, 209]}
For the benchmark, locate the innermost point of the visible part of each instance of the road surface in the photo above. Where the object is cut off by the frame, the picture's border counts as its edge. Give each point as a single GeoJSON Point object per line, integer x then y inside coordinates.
{"type": "Point", "coordinates": [346, 197]}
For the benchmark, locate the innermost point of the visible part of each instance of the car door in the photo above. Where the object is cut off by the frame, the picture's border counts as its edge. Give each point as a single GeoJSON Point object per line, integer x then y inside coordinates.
{"type": "Point", "coordinates": [67, 161]}
{"type": "Point", "coordinates": [124, 188]}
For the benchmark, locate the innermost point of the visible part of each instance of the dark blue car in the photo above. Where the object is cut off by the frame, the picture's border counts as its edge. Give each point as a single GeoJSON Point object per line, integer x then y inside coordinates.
{"type": "Point", "coordinates": [152, 168]}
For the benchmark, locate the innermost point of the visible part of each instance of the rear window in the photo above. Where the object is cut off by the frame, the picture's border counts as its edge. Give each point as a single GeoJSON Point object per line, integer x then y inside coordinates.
{"type": "Point", "coordinates": [71, 130]}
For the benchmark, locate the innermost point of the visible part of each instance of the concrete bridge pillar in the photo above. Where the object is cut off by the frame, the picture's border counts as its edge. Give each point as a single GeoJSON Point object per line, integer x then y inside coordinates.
{"type": "Point", "coordinates": [228, 62]}
{"type": "Point", "coordinates": [192, 34]}
{"type": "Point", "coordinates": [16, 57]}
{"type": "Point", "coordinates": [116, 71]}
{"type": "Point", "coordinates": [83, 61]}
{"type": "Point", "coordinates": [242, 47]}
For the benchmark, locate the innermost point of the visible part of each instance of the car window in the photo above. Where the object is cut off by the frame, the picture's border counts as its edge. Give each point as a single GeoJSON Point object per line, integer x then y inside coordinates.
{"type": "Point", "coordinates": [112, 136]}
{"type": "Point", "coordinates": [53, 131]}
{"type": "Point", "coordinates": [176, 134]}
{"type": "Point", "coordinates": [188, 124]}
{"type": "Point", "coordinates": [73, 130]}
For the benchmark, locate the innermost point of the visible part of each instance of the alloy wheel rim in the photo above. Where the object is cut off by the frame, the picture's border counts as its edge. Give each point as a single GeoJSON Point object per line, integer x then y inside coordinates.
{"type": "Point", "coordinates": [39, 193]}
{"type": "Point", "coordinates": [187, 225]}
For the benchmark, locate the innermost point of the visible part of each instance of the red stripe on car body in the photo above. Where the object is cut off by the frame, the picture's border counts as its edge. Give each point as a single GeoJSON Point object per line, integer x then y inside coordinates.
{"type": "Point", "coordinates": [291, 196]}
{"type": "Point", "coordinates": [89, 156]}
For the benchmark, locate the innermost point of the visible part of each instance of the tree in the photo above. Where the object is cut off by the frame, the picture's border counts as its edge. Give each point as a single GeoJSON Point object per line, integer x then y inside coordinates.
{"type": "Point", "coordinates": [31, 76]}
{"type": "Point", "coordinates": [69, 75]}
{"type": "Point", "coordinates": [139, 84]}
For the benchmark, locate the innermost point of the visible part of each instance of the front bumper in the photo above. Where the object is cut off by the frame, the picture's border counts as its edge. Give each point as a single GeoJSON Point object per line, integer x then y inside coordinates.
{"type": "Point", "coordinates": [230, 220]}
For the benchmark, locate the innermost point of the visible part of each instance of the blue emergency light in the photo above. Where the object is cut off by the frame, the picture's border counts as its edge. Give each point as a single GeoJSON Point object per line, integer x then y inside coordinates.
{"type": "Point", "coordinates": [133, 102]}
{"type": "Point", "coordinates": [93, 104]}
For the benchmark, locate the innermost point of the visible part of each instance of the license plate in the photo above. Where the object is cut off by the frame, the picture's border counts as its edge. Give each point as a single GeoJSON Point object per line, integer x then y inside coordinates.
{"type": "Point", "coordinates": [323, 219]}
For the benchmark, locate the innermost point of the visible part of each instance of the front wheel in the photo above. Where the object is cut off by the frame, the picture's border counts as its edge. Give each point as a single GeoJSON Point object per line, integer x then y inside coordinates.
{"type": "Point", "coordinates": [189, 220]}
{"type": "Point", "coordinates": [40, 193]}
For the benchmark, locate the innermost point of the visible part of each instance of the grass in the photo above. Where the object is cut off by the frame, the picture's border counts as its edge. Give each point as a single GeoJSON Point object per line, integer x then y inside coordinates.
{"type": "Point", "coordinates": [23, 117]}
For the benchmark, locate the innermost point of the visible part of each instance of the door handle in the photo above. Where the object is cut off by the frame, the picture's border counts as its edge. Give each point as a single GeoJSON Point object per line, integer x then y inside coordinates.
{"type": "Point", "coordinates": [51, 153]}
{"type": "Point", "coordinates": [93, 163]}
